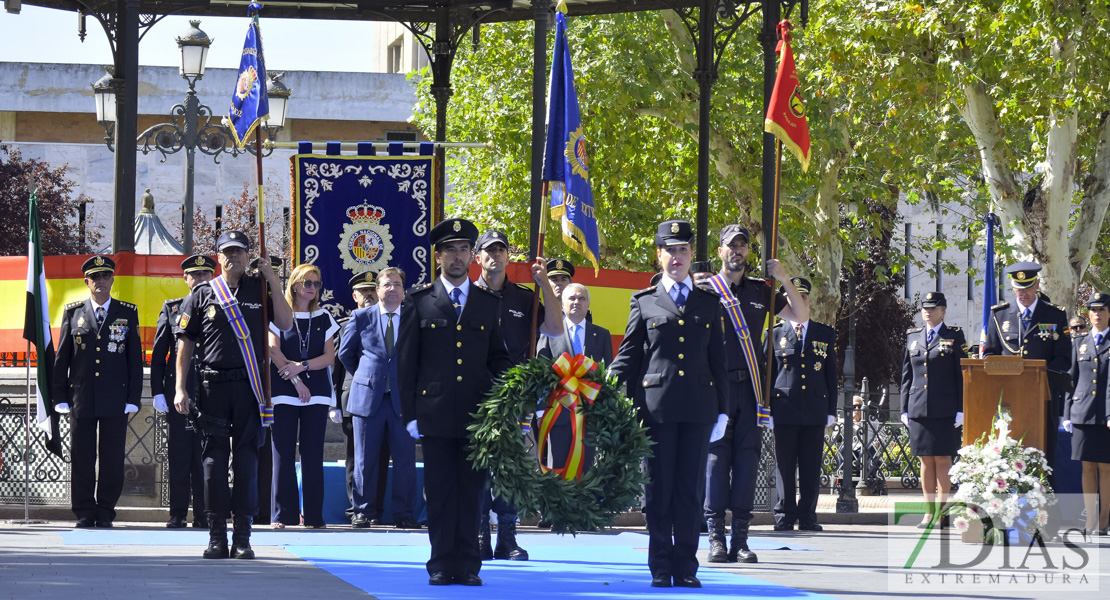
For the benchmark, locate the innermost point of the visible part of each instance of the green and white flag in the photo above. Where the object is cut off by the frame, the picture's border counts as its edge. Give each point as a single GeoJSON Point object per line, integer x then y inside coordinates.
{"type": "Point", "coordinates": [36, 329]}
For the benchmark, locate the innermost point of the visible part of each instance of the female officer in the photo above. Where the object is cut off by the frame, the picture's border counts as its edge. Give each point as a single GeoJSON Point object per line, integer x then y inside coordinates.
{"type": "Point", "coordinates": [1087, 415]}
{"type": "Point", "coordinates": [673, 362]}
{"type": "Point", "coordinates": [933, 399]}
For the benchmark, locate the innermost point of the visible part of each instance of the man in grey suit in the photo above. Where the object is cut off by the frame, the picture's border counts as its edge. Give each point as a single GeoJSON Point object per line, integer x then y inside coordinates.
{"type": "Point", "coordinates": [581, 337]}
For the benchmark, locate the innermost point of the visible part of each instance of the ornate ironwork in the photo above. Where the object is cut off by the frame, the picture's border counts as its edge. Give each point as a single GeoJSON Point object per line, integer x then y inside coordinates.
{"type": "Point", "coordinates": [880, 450]}
{"type": "Point", "coordinates": [191, 126]}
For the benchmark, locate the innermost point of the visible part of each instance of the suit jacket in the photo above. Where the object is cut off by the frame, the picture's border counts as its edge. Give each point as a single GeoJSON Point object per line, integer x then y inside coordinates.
{"type": "Point", "coordinates": [97, 371]}
{"type": "Point", "coordinates": [932, 382]}
{"type": "Point", "coordinates": [673, 361]}
{"type": "Point", "coordinates": [340, 379]}
{"type": "Point", "coordinates": [163, 356]}
{"type": "Point", "coordinates": [373, 369]}
{"type": "Point", "coordinates": [598, 344]}
{"type": "Point", "coordinates": [805, 387]}
{"type": "Point", "coordinates": [446, 363]}
{"type": "Point", "coordinates": [1088, 404]}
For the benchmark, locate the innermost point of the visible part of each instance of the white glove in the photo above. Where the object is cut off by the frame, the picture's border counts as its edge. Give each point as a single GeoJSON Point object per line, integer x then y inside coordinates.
{"type": "Point", "coordinates": [160, 403]}
{"type": "Point", "coordinates": [335, 415]}
{"type": "Point", "coordinates": [771, 423]}
{"type": "Point", "coordinates": [539, 414]}
{"type": "Point", "coordinates": [905, 418]}
{"type": "Point", "coordinates": [62, 408]}
{"type": "Point", "coordinates": [1068, 426]}
{"type": "Point", "coordinates": [959, 419]}
{"type": "Point", "coordinates": [832, 419]}
{"type": "Point", "coordinates": [130, 408]}
{"type": "Point", "coordinates": [413, 431]}
{"type": "Point", "coordinates": [719, 429]}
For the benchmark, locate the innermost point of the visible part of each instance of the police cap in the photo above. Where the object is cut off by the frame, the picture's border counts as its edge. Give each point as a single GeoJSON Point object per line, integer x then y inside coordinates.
{"type": "Point", "coordinates": [801, 283]}
{"type": "Point", "coordinates": [231, 238]}
{"type": "Point", "coordinates": [1023, 274]}
{"type": "Point", "coordinates": [198, 262]}
{"type": "Point", "coordinates": [559, 266]}
{"type": "Point", "coordinates": [1098, 300]}
{"type": "Point", "coordinates": [450, 230]}
{"type": "Point", "coordinates": [934, 299]}
{"type": "Point", "coordinates": [98, 264]}
{"type": "Point", "coordinates": [673, 233]}
{"type": "Point", "coordinates": [729, 232]}
{"type": "Point", "coordinates": [275, 262]}
{"type": "Point", "coordinates": [366, 280]}
{"type": "Point", "coordinates": [701, 266]}
{"type": "Point", "coordinates": [490, 237]}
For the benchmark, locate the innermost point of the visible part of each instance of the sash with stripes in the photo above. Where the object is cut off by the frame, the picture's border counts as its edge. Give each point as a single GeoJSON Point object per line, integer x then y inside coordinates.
{"type": "Point", "coordinates": [732, 307]}
{"type": "Point", "coordinates": [243, 337]}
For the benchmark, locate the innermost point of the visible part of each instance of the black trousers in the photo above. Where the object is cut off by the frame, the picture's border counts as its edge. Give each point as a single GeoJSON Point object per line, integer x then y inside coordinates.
{"type": "Point", "coordinates": [452, 487]}
{"type": "Point", "coordinates": [185, 465]}
{"type": "Point", "coordinates": [732, 470]}
{"type": "Point", "coordinates": [798, 447]}
{"type": "Point", "coordinates": [674, 496]}
{"type": "Point", "coordinates": [233, 403]}
{"type": "Point", "coordinates": [303, 423]}
{"type": "Point", "coordinates": [92, 497]}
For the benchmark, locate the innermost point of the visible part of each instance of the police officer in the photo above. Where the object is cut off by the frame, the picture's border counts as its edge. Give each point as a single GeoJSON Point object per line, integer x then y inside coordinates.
{"type": "Point", "coordinates": [733, 466]}
{"type": "Point", "coordinates": [450, 349]}
{"type": "Point", "coordinates": [672, 360]}
{"type": "Point", "coordinates": [517, 304]}
{"type": "Point", "coordinates": [186, 470]}
{"type": "Point", "coordinates": [230, 385]}
{"type": "Point", "coordinates": [803, 404]}
{"type": "Point", "coordinates": [98, 379]}
{"type": "Point", "coordinates": [1087, 414]}
{"type": "Point", "coordinates": [561, 274]}
{"type": "Point", "coordinates": [933, 399]}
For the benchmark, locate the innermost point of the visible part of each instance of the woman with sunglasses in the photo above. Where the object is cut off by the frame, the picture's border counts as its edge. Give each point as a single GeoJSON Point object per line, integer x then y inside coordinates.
{"type": "Point", "coordinates": [301, 360]}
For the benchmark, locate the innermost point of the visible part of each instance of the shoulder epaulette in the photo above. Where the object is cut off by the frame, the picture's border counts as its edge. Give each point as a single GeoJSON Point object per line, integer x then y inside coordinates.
{"type": "Point", "coordinates": [127, 305]}
{"type": "Point", "coordinates": [484, 290]}
{"type": "Point", "coordinates": [1000, 306]}
{"type": "Point", "coordinates": [955, 328]}
{"type": "Point", "coordinates": [73, 305]}
{"type": "Point", "coordinates": [756, 279]}
{"type": "Point", "coordinates": [421, 288]}
{"type": "Point", "coordinates": [709, 291]}
{"type": "Point", "coordinates": [914, 330]}
{"type": "Point", "coordinates": [175, 300]}
{"type": "Point", "coordinates": [646, 290]}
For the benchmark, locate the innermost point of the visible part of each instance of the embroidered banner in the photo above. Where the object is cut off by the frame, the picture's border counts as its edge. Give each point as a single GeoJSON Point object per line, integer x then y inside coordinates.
{"type": "Point", "coordinates": [353, 214]}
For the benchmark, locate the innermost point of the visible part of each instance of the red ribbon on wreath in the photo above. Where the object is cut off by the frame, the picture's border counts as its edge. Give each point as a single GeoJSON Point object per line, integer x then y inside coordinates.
{"type": "Point", "coordinates": [572, 388]}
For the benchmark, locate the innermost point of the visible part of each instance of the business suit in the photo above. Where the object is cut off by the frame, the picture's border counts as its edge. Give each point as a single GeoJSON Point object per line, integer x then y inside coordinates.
{"type": "Point", "coordinates": [673, 362]}
{"type": "Point", "coordinates": [98, 371]}
{"type": "Point", "coordinates": [932, 389]}
{"type": "Point", "coordinates": [598, 345]}
{"type": "Point", "coordinates": [1088, 407]}
{"type": "Point", "coordinates": [185, 464]}
{"type": "Point", "coordinates": [446, 365]}
{"type": "Point", "coordinates": [803, 396]}
{"type": "Point", "coordinates": [375, 407]}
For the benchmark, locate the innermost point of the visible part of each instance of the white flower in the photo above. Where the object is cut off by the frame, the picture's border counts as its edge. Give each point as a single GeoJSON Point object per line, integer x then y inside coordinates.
{"type": "Point", "coordinates": [962, 524]}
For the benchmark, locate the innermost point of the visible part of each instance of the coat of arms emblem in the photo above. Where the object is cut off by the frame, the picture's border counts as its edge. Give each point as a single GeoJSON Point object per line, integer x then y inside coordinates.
{"type": "Point", "coordinates": [365, 244]}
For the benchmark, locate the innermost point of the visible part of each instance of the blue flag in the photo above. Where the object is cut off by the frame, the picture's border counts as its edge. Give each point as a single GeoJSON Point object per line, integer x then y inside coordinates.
{"type": "Point", "coordinates": [990, 282]}
{"type": "Point", "coordinates": [249, 103]}
{"type": "Point", "coordinates": [564, 164]}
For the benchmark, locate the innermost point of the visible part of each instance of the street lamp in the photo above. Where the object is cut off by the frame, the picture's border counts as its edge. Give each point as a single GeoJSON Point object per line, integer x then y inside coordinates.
{"type": "Point", "coordinates": [191, 125]}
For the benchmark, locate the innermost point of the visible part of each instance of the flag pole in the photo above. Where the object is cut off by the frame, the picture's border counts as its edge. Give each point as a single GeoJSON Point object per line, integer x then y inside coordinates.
{"type": "Point", "coordinates": [539, 254]}
{"type": "Point", "coordinates": [27, 444]}
{"type": "Point", "coordinates": [265, 264]}
{"type": "Point", "coordinates": [772, 253]}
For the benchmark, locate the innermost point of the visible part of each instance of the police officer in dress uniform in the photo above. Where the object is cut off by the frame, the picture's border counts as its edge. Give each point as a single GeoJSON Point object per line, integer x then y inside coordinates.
{"type": "Point", "coordinates": [733, 467]}
{"type": "Point", "coordinates": [1087, 414]}
{"type": "Point", "coordinates": [98, 379]}
{"type": "Point", "coordinates": [450, 349]}
{"type": "Point", "coordinates": [227, 404]}
{"type": "Point", "coordinates": [803, 404]}
{"type": "Point", "coordinates": [516, 325]}
{"type": "Point", "coordinates": [672, 360]}
{"type": "Point", "coordinates": [933, 399]}
{"type": "Point", "coordinates": [186, 469]}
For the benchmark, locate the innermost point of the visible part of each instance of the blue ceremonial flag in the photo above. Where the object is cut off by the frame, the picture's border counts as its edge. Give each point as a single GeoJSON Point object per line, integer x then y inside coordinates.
{"type": "Point", "coordinates": [990, 281]}
{"type": "Point", "coordinates": [249, 103]}
{"type": "Point", "coordinates": [564, 164]}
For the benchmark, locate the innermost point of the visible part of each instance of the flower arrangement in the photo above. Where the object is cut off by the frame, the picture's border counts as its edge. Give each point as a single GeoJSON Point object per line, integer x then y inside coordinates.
{"type": "Point", "coordinates": [1001, 483]}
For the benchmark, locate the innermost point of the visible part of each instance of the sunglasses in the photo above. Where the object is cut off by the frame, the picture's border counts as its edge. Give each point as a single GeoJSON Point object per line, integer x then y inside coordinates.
{"type": "Point", "coordinates": [312, 284]}
{"type": "Point", "coordinates": [99, 275]}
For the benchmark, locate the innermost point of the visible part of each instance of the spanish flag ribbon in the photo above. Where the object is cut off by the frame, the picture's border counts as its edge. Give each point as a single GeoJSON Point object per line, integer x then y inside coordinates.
{"type": "Point", "coordinates": [571, 389]}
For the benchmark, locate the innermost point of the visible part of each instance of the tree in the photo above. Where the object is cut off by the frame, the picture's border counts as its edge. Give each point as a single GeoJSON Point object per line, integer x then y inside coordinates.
{"type": "Point", "coordinates": [59, 212]}
{"type": "Point", "coordinates": [239, 213]}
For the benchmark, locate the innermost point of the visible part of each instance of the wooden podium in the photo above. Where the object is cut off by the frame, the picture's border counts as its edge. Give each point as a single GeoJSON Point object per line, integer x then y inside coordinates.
{"type": "Point", "coordinates": [1022, 386]}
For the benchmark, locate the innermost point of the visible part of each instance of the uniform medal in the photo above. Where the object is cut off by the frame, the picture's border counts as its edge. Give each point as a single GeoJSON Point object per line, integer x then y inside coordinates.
{"type": "Point", "coordinates": [1005, 326]}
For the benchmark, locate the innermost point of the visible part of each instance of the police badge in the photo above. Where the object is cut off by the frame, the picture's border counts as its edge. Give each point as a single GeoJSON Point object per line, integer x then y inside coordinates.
{"type": "Point", "coordinates": [1005, 326]}
{"type": "Point", "coordinates": [1082, 349]}
{"type": "Point", "coordinates": [210, 313]}
{"type": "Point", "coordinates": [817, 366]}
{"type": "Point", "coordinates": [366, 244]}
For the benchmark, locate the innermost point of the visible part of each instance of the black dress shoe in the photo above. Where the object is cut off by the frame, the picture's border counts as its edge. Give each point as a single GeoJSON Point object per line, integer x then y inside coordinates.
{"type": "Point", "coordinates": [688, 581]}
{"type": "Point", "coordinates": [810, 527]}
{"type": "Point", "coordinates": [200, 522]}
{"type": "Point", "coordinates": [86, 523]}
{"type": "Point", "coordinates": [470, 579]}
{"type": "Point", "coordinates": [661, 580]}
{"type": "Point", "coordinates": [741, 553]}
{"type": "Point", "coordinates": [360, 521]}
{"type": "Point", "coordinates": [104, 524]}
{"type": "Point", "coordinates": [439, 578]}
{"type": "Point", "coordinates": [783, 526]}
{"type": "Point", "coordinates": [407, 523]}
{"type": "Point", "coordinates": [375, 521]}
{"type": "Point", "coordinates": [176, 523]}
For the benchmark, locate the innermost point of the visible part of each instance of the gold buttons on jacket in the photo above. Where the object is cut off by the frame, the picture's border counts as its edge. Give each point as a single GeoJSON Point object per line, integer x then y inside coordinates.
{"type": "Point", "coordinates": [926, 375]}
{"type": "Point", "coordinates": [458, 327]}
{"type": "Point", "coordinates": [458, 344]}
{"type": "Point", "coordinates": [433, 325]}
{"type": "Point", "coordinates": [459, 378]}
{"type": "Point", "coordinates": [925, 387]}
{"type": "Point", "coordinates": [680, 357]}
{"type": "Point", "coordinates": [97, 373]}
{"type": "Point", "coordinates": [803, 387]}
{"type": "Point", "coordinates": [681, 322]}
{"type": "Point", "coordinates": [682, 373]}
{"type": "Point", "coordinates": [98, 361]}
{"type": "Point", "coordinates": [682, 339]}
{"type": "Point", "coordinates": [460, 361]}
{"type": "Point", "coordinates": [424, 393]}
{"type": "Point", "coordinates": [803, 375]}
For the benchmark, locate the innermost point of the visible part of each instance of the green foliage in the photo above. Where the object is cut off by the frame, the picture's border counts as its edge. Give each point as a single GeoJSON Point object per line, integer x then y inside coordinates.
{"type": "Point", "coordinates": [59, 211]}
{"type": "Point", "coordinates": [611, 486]}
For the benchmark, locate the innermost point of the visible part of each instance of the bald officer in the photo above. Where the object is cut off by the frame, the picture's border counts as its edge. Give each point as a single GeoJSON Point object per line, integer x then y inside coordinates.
{"type": "Point", "coordinates": [98, 379]}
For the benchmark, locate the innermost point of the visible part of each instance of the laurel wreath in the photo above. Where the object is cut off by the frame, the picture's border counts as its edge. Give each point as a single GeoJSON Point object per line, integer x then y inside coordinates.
{"type": "Point", "coordinates": [612, 485]}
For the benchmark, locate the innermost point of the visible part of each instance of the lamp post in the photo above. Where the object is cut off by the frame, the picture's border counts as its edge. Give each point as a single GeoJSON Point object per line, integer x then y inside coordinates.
{"type": "Point", "coordinates": [191, 125]}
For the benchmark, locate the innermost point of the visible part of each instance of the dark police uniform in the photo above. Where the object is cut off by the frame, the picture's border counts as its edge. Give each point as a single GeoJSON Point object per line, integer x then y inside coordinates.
{"type": "Point", "coordinates": [1087, 407]}
{"type": "Point", "coordinates": [673, 362]}
{"type": "Point", "coordinates": [183, 453]}
{"type": "Point", "coordinates": [802, 398]}
{"type": "Point", "coordinates": [98, 371]}
{"type": "Point", "coordinates": [447, 363]}
{"type": "Point", "coordinates": [933, 386]}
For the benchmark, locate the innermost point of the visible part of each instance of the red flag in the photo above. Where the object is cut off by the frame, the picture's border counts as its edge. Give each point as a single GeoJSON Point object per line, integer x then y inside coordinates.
{"type": "Point", "coordinates": [786, 113]}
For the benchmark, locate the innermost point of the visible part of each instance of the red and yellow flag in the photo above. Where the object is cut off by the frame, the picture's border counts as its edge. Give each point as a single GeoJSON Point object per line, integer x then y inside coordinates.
{"type": "Point", "coordinates": [786, 113]}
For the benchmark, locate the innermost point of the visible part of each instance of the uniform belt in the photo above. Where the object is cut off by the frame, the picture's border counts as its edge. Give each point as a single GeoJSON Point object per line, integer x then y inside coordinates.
{"type": "Point", "coordinates": [211, 376]}
{"type": "Point", "coordinates": [738, 375]}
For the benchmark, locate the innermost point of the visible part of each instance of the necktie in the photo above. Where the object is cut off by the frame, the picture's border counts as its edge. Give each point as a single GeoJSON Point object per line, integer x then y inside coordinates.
{"type": "Point", "coordinates": [1098, 339]}
{"type": "Point", "coordinates": [100, 316]}
{"type": "Point", "coordinates": [929, 338]}
{"type": "Point", "coordinates": [575, 340]}
{"type": "Point", "coordinates": [456, 297]}
{"type": "Point", "coordinates": [680, 294]}
{"type": "Point", "coordinates": [389, 333]}
{"type": "Point", "coordinates": [1026, 317]}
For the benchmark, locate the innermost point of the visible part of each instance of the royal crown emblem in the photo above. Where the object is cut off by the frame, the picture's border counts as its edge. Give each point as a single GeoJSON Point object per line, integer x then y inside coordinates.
{"type": "Point", "coordinates": [559, 265]}
{"type": "Point", "coordinates": [246, 82]}
{"type": "Point", "coordinates": [674, 227]}
{"type": "Point", "coordinates": [456, 226]}
{"type": "Point", "coordinates": [199, 261]}
{"type": "Point", "coordinates": [99, 261]}
{"type": "Point", "coordinates": [366, 244]}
